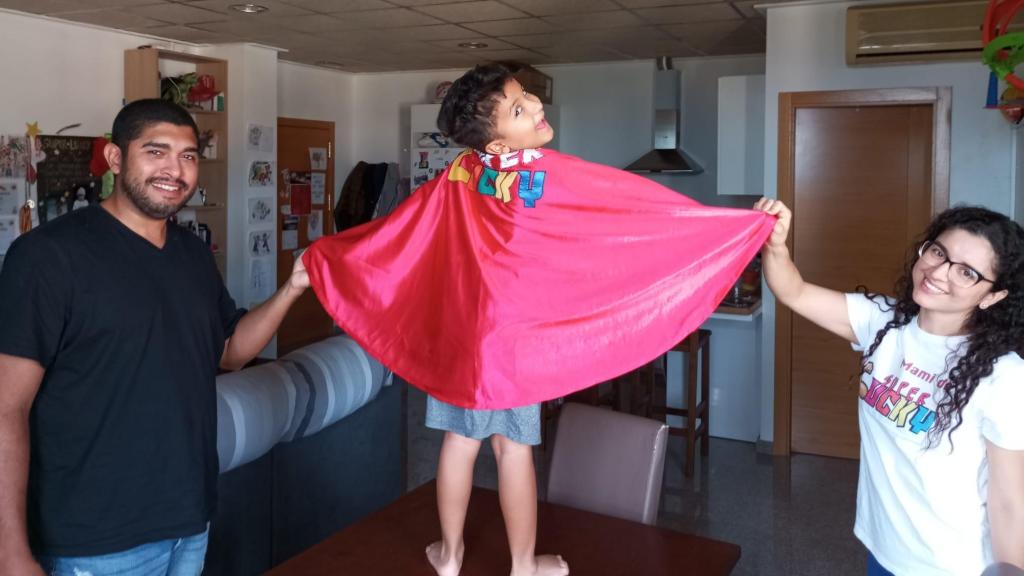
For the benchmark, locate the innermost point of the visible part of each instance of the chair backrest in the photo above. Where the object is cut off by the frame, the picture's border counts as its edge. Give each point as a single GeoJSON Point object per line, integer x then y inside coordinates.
{"type": "Point", "coordinates": [608, 462]}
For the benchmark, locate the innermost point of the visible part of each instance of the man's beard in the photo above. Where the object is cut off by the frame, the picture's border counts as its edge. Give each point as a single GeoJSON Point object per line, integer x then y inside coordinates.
{"type": "Point", "coordinates": [135, 191]}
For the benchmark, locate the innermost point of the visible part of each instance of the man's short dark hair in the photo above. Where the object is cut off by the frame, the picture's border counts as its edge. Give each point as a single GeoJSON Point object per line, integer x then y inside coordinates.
{"type": "Point", "coordinates": [141, 114]}
{"type": "Point", "coordinates": [467, 112]}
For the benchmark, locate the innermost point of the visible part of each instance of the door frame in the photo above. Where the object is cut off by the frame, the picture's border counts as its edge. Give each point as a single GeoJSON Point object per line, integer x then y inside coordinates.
{"type": "Point", "coordinates": [940, 99]}
{"type": "Point", "coordinates": [282, 274]}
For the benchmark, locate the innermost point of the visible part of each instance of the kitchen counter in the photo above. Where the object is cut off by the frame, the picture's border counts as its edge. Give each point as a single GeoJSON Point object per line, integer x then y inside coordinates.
{"type": "Point", "coordinates": [737, 313]}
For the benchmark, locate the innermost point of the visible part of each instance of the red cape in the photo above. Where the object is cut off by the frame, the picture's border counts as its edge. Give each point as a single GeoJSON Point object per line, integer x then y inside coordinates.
{"type": "Point", "coordinates": [510, 280]}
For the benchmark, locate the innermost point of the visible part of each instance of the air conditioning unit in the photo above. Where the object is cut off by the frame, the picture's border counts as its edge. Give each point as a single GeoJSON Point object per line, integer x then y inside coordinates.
{"type": "Point", "coordinates": [916, 32]}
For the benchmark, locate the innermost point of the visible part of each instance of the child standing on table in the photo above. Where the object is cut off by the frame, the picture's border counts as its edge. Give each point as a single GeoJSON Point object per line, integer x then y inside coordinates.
{"type": "Point", "coordinates": [488, 110]}
{"type": "Point", "coordinates": [941, 488]}
{"type": "Point", "coordinates": [518, 275]}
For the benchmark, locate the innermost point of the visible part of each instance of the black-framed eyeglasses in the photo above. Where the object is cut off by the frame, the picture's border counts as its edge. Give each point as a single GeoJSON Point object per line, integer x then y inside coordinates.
{"type": "Point", "coordinates": [934, 253]}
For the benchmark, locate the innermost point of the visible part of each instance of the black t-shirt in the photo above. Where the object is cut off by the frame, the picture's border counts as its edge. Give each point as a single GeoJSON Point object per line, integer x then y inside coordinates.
{"type": "Point", "coordinates": [123, 429]}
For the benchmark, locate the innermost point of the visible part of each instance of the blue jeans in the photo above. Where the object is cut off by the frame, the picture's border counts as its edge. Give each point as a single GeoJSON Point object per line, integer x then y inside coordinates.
{"type": "Point", "coordinates": [875, 569]}
{"type": "Point", "coordinates": [175, 557]}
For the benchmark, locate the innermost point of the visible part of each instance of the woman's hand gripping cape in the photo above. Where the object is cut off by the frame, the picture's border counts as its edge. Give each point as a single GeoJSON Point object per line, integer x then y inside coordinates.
{"type": "Point", "coordinates": [510, 280]}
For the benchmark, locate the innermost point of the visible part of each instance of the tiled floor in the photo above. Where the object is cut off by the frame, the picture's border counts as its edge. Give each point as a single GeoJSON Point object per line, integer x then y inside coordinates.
{"type": "Point", "coordinates": [790, 516]}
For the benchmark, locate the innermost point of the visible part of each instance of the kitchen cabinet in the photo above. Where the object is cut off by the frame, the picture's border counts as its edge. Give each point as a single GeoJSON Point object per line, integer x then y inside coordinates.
{"type": "Point", "coordinates": [741, 135]}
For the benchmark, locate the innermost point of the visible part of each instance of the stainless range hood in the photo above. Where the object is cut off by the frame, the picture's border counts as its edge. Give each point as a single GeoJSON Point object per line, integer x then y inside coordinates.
{"type": "Point", "coordinates": [667, 156]}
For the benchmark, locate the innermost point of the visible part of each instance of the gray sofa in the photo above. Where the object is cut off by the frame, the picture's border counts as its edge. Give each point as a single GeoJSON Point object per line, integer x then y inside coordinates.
{"type": "Point", "coordinates": [308, 444]}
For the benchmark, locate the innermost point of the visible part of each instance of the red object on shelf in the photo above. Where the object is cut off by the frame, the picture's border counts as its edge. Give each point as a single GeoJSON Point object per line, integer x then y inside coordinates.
{"type": "Point", "coordinates": [204, 89]}
{"type": "Point", "coordinates": [98, 164]}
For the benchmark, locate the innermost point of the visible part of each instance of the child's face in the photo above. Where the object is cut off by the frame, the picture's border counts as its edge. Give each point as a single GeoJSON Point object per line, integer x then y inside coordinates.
{"type": "Point", "coordinates": [519, 121]}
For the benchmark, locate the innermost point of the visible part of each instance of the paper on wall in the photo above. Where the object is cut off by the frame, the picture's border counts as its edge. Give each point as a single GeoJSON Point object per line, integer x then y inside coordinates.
{"type": "Point", "coordinates": [260, 211]}
{"type": "Point", "coordinates": [261, 173]}
{"type": "Point", "coordinates": [261, 243]}
{"type": "Point", "coordinates": [315, 225]}
{"type": "Point", "coordinates": [12, 195]}
{"type": "Point", "coordinates": [260, 284]}
{"type": "Point", "coordinates": [8, 232]}
{"type": "Point", "coordinates": [13, 156]}
{"type": "Point", "coordinates": [301, 199]}
{"type": "Point", "coordinates": [318, 158]}
{"type": "Point", "coordinates": [290, 233]}
{"type": "Point", "coordinates": [261, 138]}
{"type": "Point", "coordinates": [318, 182]}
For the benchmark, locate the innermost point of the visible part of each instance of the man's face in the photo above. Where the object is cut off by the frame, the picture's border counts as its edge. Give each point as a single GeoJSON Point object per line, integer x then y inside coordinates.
{"type": "Point", "coordinates": [160, 170]}
{"type": "Point", "coordinates": [519, 121]}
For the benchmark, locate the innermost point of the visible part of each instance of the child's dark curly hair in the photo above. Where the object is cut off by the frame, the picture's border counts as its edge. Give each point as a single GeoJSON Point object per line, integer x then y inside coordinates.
{"type": "Point", "coordinates": [992, 332]}
{"type": "Point", "coordinates": [467, 112]}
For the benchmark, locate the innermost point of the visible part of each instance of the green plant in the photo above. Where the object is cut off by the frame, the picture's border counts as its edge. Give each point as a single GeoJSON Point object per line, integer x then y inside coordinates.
{"type": "Point", "coordinates": [175, 88]}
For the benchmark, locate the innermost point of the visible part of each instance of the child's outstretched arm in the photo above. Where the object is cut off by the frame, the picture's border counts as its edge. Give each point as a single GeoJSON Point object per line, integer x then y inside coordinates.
{"type": "Point", "coordinates": [824, 307]}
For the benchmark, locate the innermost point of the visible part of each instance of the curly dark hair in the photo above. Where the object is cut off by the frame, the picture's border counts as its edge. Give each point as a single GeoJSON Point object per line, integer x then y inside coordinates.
{"type": "Point", "coordinates": [991, 332]}
{"type": "Point", "coordinates": [141, 114]}
{"type": "Point", "coordinates": [467, 112]}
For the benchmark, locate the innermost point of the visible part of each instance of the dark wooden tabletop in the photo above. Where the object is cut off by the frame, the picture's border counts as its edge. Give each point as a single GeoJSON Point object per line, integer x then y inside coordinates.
{"type": "Point", "coordinates": [391, 542]}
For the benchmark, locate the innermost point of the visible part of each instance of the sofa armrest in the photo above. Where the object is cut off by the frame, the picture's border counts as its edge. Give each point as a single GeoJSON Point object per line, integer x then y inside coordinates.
{"type": "Point", "coordinates": [293, 397]}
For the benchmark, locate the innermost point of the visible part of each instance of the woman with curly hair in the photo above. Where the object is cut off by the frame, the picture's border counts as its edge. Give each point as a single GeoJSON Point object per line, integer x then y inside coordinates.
{"type": "Point", "coordinates": [941, 487]}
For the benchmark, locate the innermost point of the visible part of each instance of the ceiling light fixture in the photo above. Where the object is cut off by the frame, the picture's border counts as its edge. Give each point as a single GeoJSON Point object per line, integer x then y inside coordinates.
{"type": "Point", "coordinates": [249, 8]}
{"type": "Point", "coordinates": [472, 45]}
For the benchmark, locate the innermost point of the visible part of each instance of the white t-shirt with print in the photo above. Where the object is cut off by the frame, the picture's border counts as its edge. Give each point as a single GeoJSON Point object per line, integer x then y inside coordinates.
{"type": "Point", "coordinates": [921, 510]}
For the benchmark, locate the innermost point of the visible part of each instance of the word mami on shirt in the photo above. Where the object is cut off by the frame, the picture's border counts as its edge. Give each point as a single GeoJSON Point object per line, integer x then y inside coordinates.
{"type": "Point", "coordinates": [902, 400]}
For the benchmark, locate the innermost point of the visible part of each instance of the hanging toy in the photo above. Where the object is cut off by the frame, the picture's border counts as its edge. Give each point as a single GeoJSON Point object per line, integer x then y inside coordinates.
{"type": "Point", "coordinates": [1002, 52]}
{"type": "Point", "coordinates": [33, 158]}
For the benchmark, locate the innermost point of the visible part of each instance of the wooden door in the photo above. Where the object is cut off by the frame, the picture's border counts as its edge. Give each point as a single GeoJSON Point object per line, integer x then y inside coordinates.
{"type": "Point", "coordinates": [861, 180]}
{"type": "Point", "coordinates": [306, 322]}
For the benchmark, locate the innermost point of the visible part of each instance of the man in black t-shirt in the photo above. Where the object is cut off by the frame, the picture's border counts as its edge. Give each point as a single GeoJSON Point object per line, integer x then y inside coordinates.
{"type": "Point", "coordinates": [112, 327]}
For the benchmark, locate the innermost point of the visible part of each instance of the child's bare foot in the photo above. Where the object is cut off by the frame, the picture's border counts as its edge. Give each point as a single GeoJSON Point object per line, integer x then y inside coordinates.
{"type": "Point", "coordinates": [546, 565]}
{"type": "Point", "coordinates": [445, 562]}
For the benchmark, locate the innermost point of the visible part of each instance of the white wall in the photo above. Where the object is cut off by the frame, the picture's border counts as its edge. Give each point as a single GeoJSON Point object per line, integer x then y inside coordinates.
{"type": "Point", "coordinates": [606, 109]}
{"type": "Point", "coordinates": [64, 74]}
{"type": "Point", "coordinates": [699, 135]}
{"type": "Point", "coordinates": [71, 73]}
{"type": "Point", "coordinates": [605, 113]}
{"type": "Point", "coordinates": [806, 51]}
{"type": "Point", "coordinates": [252, 99]}
{"type": "Point", "coordinates": [806, 46]}
{"type": "Point", "coordinates": [47, 76]}
{"type": "Point", "coordinates": [381, 123]}
{"type": "Point", "coordinates": [314, 93]}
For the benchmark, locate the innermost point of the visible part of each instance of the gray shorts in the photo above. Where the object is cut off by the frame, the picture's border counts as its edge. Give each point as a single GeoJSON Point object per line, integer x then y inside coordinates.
{"type": "Point", "coordinates": [520, 425]}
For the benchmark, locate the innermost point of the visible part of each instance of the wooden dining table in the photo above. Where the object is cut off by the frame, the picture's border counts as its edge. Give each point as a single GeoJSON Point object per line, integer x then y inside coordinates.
{"type": "Point", "coordinates": [392, 541]}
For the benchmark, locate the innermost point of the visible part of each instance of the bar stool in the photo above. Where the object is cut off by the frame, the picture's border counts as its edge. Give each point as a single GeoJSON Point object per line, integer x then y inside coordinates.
{"type": "Point", "coordinates": [696, 345]}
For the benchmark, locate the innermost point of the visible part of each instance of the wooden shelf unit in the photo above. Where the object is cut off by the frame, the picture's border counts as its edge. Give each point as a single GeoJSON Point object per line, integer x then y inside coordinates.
{"type": "Point", "coordinates": [142, 80]}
